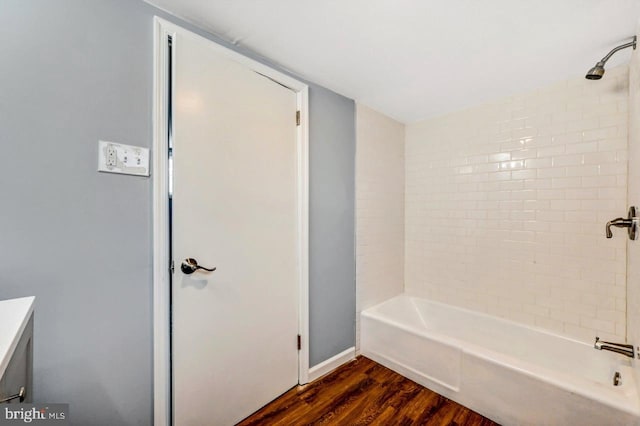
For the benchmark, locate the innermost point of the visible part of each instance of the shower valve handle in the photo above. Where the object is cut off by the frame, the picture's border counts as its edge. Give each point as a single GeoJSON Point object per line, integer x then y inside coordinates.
{"type": "Point", "coordinates": [631, 223]}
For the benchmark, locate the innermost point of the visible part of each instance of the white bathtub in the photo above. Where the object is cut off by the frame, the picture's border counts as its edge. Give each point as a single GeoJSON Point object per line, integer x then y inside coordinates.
{"type": "Point", "coordinates": [510, 373]}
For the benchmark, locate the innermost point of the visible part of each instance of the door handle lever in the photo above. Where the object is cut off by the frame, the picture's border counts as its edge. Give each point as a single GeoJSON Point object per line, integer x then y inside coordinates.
{"type": "Point", "coordinates": [190, 265]}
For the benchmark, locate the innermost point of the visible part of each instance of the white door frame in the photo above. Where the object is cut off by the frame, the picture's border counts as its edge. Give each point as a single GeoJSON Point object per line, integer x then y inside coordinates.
{"type": "Point", "coordinates": [161, 289]}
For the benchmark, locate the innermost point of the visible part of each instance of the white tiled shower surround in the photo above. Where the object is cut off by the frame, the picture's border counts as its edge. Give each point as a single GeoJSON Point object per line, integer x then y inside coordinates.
{"type": "Point", "coordinates": [379, 209]}
{"type": "Point", "coordinates": [506, 203]}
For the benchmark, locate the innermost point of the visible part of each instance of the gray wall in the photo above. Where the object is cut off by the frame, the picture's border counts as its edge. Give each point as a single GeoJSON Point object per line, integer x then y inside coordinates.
{"type": "Point", "coordinates": [73, 72]}
{"type": "Point", "coordinates": [332, 292]}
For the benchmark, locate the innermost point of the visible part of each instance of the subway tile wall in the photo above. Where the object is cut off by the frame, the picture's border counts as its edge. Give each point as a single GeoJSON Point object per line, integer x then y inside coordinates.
{"type": "Point", "coordinates": [506, 205]}
{"type": "Point", "coordinates": [633, 194]}
{"type": "Point", "coordinates": [379, 209]}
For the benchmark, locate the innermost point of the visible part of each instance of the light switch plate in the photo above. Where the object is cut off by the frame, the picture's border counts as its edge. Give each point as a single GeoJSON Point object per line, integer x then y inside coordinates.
{"type": "Point", "coordinates": [124, 159]}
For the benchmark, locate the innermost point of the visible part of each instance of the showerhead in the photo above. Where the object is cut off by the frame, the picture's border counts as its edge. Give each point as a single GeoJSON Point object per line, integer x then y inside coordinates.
{"type": "Point", "coordinates": [597, 71]}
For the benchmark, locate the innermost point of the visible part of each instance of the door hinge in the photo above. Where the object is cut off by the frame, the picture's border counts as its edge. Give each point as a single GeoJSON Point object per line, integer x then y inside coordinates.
{"type": "Point", "coordinates": [299, 342]}
{"type": "Point", "coordinates": [172, 267]}
{"type": "Point", "coordinates": [297, 118]}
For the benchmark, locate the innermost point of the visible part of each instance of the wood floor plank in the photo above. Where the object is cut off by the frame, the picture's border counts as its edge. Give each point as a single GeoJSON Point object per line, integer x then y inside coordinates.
{"type": "Point", "coordinates": [445, 413]}
{"type": "Point", "coordinates": [420, 407]}
{"type": "Point", "coordinates": [380, 398]}
{"type": "Point", "coordinates": [363, 392]}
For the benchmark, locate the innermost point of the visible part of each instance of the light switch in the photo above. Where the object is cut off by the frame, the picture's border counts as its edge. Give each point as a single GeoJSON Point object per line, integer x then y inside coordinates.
{"type": "Point", "coordinates": [125, 159]}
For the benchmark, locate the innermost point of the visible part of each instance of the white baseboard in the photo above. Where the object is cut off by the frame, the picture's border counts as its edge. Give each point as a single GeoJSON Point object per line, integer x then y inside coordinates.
{"type": "Point", "coordinates": [331, 364]}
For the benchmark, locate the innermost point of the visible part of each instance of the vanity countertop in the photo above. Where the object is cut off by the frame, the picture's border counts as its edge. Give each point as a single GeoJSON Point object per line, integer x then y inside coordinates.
{"type": "Point", "coordinates": [14, 316]}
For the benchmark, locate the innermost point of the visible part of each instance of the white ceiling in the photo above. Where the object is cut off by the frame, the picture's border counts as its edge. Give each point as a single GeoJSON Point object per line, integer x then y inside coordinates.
{"type": "Point", "coordinates": [413, 59]}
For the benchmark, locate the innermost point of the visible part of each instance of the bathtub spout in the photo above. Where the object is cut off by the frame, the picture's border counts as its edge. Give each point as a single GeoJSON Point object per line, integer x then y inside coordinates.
{"type": "Point", "coordinates": [619, 348]}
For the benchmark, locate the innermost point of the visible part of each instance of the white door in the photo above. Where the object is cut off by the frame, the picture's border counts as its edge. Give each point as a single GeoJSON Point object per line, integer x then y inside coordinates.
{"type": "Point", "coordinates": [234, 207]}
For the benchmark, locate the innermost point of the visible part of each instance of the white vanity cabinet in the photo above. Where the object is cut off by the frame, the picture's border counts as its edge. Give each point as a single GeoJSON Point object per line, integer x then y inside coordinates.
{"type": "Point", "coordinates": [16, 350]}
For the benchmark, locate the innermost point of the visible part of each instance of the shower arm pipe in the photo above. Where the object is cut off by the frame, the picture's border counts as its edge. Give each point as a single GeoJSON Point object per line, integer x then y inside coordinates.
{"type": "Point", "coordinates": [615, 49]}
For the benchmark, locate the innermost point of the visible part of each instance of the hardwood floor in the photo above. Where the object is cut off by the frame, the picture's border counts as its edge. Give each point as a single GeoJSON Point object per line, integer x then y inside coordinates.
{"type": "Point", "coordinates": [364, 392]}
